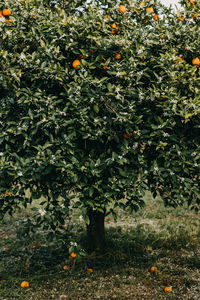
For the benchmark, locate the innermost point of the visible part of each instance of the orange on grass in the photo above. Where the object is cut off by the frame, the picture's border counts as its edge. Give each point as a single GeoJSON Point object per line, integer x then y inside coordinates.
{"type": "Point", "coordinates": [154, 270]}
{"type": "Point", "coordinates": [196, 61]}
{"type": "Point", "coordinates": [76, 63]}
{"type": "Point", "coordinates": [25, 284]}
{"type": "Point", "coordinates": [90, 270]}
{"type": "Point", "coordinates": [150, 10]}
{"type": "Point", "coordinates": [118, 56]}
{"type": "Point", "coordinates": [156, 17]}
{"type": "Point", "coordinates": [6, 12]}
{"type": "Point", "coordinates": [167, 289]}
{"type": "Point", "coordinates": [122, 9]}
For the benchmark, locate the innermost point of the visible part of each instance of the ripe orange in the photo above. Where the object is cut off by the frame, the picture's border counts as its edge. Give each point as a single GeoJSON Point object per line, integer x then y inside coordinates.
{"type": "Point", "coordinates": [118, 56]}
{"type": "Point", "coordinates": [156, 17]}
{"type": "Point", "coordinates": [90, 270]}
{"type": "Point", "coordinates": [73, 255]}
{"type": "Point", "coordinates": [196, 61]}
{"type": "Point", "coordinates": [162, 37]}
{"type": "Point", "coordinates": [122, 9]}
{"type": "Point", "coordinates": [181, 18]}
{"type": "Point", "coordinates": [6, 12]}
{"type": "Point", "coordinates": [154, 270]}
{"type": "Point", "coordinates": [127, 135]}
{"type": "Point", "coordinates": [167, 289]}
{"type": "Point", "coordinates": [150, 10]}
{"type": "Point", "coordinates": [195, 16]}
{"type": "Point", "coordinates": [114, 26]}
{"type": "Point", "coordinates": [25, 284]}
{"type": "Point", "coordinates": [76, 63]}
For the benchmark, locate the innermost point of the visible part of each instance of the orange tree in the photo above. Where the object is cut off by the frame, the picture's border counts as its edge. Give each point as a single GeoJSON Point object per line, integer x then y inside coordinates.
{"type": "Point", "coordinates": [99, 103]}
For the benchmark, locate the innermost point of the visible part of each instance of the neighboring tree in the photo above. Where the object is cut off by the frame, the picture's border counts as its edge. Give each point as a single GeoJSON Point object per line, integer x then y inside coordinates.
{"type": "Point", "coordinates": [98, 107]}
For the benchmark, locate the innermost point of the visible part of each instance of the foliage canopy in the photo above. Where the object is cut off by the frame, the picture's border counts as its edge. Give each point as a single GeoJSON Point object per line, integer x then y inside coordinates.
{"type": "Point", "coordinates": [110, 129]}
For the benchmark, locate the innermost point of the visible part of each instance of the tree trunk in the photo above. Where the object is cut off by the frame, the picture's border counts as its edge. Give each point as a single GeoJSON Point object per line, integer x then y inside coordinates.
{"type": "Point", "coordinates": [95, 231]}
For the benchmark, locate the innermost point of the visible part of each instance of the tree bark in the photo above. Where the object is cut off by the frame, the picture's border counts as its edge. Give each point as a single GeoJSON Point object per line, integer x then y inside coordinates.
{"type": "Point", "coordinates": [95, 231]}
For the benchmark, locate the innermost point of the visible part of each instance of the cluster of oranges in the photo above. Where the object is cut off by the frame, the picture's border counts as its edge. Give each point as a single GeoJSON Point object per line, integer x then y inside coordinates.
{"type": "Point", "coordinates": [167, 289]}
{"type": "Point", "coordinates": [76, 63]}
{"type": "Point", "coordinates": [115, 28]}
{"type": "Point", "coordinates": [6, 13]}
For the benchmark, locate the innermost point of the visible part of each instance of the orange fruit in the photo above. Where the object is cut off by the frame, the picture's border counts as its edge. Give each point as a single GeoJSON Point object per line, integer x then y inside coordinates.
{"type": "Point", "coordinates": [113, 31]}
{"type": "Point", "coordinates": [181, 18]}
{"type": "Point", "coordinates": [162, 37]}
{"type": "Point", "coordinates": [6, 12]}
{"type": "Point", "coordinates": [90, 270]}
{"type": "Point", "coordinates": [154, 270]}
{"type": "Point", "coordinates": [156, 17]}
{"type": "Point", "coordinates": [167, 289]}
{"type": "Point", "coordinates": [122, 9]}
{"type": "Point", "coordinates": [196, 61]}
{"type": "Point", "coordinates": [76, 63]}
{"type": "Point", "coordinates": [25, 284]}
{"type": "Point", "coordinates": [118, 56]}
{"type": "Point", "coordinates": [150, 10]}
{"type": "Point", "coordinates": [127, 135]}
{"type": "Point", "coordinates": [114, 26]}
{"type": "Point", "coordinates": [73, 255]}
{"type": "Point", "coordinates": [195, 16]}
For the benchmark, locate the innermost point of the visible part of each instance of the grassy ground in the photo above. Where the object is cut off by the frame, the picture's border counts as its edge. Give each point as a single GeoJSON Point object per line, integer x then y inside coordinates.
{"type": "Point", "coordinates": [168, 239]}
